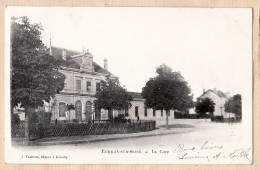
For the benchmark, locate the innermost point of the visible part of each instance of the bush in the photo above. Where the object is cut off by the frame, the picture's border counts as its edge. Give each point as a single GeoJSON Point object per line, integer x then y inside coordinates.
{"type": "Point", "coordinates": [75, 121]}
{"type": "Point", "coordinates": [120, 119]}
{"type": "Point", "coordinates": [16, 119]}
{"type": "Point", "coordinates": [181, 115]}
{"type": "Point", "coordinates": [41, 117]}
{"type": "Point", "coordinates": [205, 116]}
{"type": "Point", "coordinates": [217, 119]}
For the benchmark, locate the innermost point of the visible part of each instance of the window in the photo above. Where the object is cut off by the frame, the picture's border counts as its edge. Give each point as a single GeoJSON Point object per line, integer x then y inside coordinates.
{"type": "Point", "coordinates": [154, 113]}
{"type": "Point", "coordinates": [126, 112]}
{"type": "Point", "coordinates": [145, 111]}
{"type": "Point", "coordinates": [65, 83]}
{"type": "Point", "coordinates": [98, 86]}
{"type": "Point", "coordinates": [78, 84]}
{"type": "Point", "coordinates": [88, 85]}
{"type": "Point", "coordinates": [161, 113]}
{"type": "Point", "coordinates": [62, 109]}
{"type": "Point", "coordinates": [136, 111]}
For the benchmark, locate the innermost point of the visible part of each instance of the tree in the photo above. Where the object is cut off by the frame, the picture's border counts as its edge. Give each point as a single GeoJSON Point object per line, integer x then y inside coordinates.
{"type": "Point", "coordinates": [34, 73]}
{"type": "Point", "coordinates": [204, 105]}
{"type": "Point", "coordinates": [234, 105]}
{"type": "Point", "coordinates": [167, 91]}
{"type": "Point", "coordinates": [112, 96]}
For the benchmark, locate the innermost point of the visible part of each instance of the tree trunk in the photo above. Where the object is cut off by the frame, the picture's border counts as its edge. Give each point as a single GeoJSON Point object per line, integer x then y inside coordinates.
{"type": "Point", "coordinates": [12, 115]}
{"type": "Point", "coordinates": [167, 114]}
{"type": "Point", "coordinates": [28, 123]}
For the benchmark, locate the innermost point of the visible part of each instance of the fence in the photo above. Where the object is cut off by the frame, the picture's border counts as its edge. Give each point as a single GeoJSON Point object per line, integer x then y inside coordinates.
{"type": "Point", "coordinates": [72, 129]}
{"type": "Point", "coordinates": [222, 119]}
{"type": "Point", "coordinates": [18, 130]}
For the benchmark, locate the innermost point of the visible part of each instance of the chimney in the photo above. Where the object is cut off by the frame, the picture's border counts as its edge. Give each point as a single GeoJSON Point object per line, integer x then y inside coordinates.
{"type": "Point", "coordinates": [105, 64]}
{"type": "Point", "coordinates": [215, 89]}
{"type": "Point", "coordinates": [64, 54]}
{"type": "Point", "coordinates": [83, 50]}
{"type": "Point", "coordinates": [204, 91]}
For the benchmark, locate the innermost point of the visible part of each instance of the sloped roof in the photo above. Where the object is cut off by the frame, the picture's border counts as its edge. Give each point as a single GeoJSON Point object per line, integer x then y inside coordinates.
{"type": "Point", "coordinates": [57, 54]}
{"type": "Point", "coordinates": [217, 92]}
{"type": "Point", "coordinates": [136, 95]}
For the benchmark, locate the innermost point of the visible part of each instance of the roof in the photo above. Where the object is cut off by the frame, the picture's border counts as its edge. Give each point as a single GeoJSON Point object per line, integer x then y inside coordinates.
{"type": "Point", "coordinates": [57, 54]}
{"type": "Point", "coordinates": [217, 92]}
{"type": "Point", "coordinates": [136, 95]}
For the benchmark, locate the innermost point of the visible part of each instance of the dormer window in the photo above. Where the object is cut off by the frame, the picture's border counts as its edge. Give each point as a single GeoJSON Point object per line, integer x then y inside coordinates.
{"type": "Point", "coordinates": [87, 63]}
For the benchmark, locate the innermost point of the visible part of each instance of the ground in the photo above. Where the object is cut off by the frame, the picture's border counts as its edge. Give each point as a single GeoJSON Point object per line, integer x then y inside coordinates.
{"type": "Point", "coordinates": [190, 131]}
{"type": "Point", "coordinates": [197, 140]}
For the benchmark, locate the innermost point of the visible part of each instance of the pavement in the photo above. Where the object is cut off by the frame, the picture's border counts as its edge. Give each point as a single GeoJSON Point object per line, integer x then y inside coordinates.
{"type": "Point", "coordinates": [176, 127]}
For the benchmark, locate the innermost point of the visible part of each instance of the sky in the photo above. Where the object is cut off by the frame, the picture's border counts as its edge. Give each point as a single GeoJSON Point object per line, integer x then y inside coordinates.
{"type": "Point", "coordinates": [210, 47]}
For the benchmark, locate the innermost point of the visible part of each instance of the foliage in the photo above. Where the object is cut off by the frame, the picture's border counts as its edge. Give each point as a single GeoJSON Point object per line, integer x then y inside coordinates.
{"type": "Point", "coordinates": [41, 117]}
{"type": "Point", "coordinates": [75, 121]}
{"type": "Point", "coordinates": [112, 96]}
{"type": "Point", "coordinates": [15, 119]}
{"type": "Point", "coordinates": [35, 75]}
{"type": "Point", "coordinates": [168, 90]}
{"type": "Point", "coordinates": [70, 107]}
{"type": "Point", "coordinates": [181, 115]}
{"type": "Point", "coordinates": [120, 119]}
{"type": "Point", "coordinates": [217, 119]}
{"type": "Point", "coordinates": [204, 105]}
{"type": "Point", "coordinates": [234, 105]}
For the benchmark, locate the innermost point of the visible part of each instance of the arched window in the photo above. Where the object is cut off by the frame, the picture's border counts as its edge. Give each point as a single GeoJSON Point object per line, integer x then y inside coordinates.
{"type": "Point", "coordinates": [88, 111]}
{"type": "Point", "coordinates": [78, 110]}
{"type": "Point", "coordinates": [62, 109]}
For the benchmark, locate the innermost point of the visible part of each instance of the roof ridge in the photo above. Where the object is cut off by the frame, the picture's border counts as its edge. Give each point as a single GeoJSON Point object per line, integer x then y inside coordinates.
{"type": "Point", "coordinates": [222, 94]}
{"type": "Point", "coordinates": [66, 49]}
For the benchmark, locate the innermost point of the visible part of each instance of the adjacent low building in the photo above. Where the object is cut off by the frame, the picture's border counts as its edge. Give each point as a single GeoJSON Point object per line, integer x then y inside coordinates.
{"type": "Point", "coordinates": [138, 108]}
{"type": "Point", "coordinates": [219, 98]}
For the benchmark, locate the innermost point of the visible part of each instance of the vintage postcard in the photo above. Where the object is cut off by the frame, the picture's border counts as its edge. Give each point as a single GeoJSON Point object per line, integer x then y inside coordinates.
{"type": "Point", "coordinates": [128, 85]}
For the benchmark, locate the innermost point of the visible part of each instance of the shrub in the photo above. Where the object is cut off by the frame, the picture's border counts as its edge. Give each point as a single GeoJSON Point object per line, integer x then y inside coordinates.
{"type": "Point", "coordinates": [41, 117]}
{"type": "Point", "coordinates": [205, 116]}
{"type": "Point", "coordinates": [120, 119]}
{"type": "Point", "coordinates": [16, 119]}
{"type": "Point", "coordinates": [75, 121]}
{"type": "Point", "coordinates": [217, 119]}
{"type": "Point", "coordinates": [181, 115]}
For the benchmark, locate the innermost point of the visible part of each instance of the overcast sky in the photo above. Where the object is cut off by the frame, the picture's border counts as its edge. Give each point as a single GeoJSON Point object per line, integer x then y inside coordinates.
{"type": "Point", "coordinates": [212, 48]}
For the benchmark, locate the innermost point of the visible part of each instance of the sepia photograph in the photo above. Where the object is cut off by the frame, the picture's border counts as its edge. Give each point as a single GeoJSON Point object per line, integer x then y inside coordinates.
{"type": "Point", "coordinates": [128, 85]}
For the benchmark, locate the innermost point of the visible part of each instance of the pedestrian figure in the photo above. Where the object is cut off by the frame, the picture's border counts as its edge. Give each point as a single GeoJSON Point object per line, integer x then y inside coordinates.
{"type": "Point", "coordinates": [137, 118]}
{"type": "Point", "coordinates": [56, 121]}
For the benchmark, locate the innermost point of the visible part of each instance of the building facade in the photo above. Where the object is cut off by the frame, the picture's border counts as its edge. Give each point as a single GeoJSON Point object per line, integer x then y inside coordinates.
{"type": "Point", "coordinates": [138, 109]}
{"type": "Point", "coordinates": [83, 77]}
{"type": "Point", "coordinates": [219, 98]}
